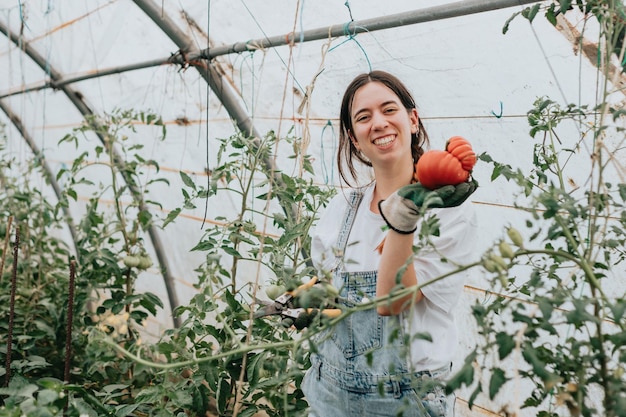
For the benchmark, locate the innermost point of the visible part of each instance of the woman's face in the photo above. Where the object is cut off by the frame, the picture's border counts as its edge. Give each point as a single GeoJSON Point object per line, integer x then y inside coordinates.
{"type": "Point", "coordinates": [381, 126]}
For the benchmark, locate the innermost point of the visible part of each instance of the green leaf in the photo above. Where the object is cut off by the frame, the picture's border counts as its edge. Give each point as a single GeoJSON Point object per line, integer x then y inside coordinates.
{"type": "Point", "coordinates": [47, 396]}
{"type": "Point", "coordinates": [474, 395]}
{"type": "Point", "coordinates": [126, 410]}
{"type": "Point", "coordinates": [505, 28]}
{"type": "Point", "coordinates": [622, 191]}
{"type": "Point", "coordinates": [223, 393]}
{"type": "Point", "coordinates": [506, 343]}
{"type": "Point", "coordinates": [530, 12]}
{"type": "Point", "coordinates": [422, 336]}
{"type": "Point", "coordinates": [187, 180]}
{"type": "Point", "coordinates": [497, 380]}
{"type": "Point", "coordinates": [464, 376]}
{"type": "Point", "coordinates": [565, 5]}
{"type": "Point", "coordinates": [171, 216]}
{"type": "Point", "coordinates": [51, 383]}
{"type": "Point", "coordinates": [539, 367]}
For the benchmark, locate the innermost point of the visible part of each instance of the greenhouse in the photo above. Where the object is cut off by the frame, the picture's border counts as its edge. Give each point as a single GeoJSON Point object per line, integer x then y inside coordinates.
{"type": "Point", "coordinates": [180, 180]}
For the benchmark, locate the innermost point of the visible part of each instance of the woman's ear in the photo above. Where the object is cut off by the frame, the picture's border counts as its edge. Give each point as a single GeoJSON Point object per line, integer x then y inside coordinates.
{"type": "Point", "coordinates": [355, 143]}
{"type": "Point", "coordinates": [415, 121]}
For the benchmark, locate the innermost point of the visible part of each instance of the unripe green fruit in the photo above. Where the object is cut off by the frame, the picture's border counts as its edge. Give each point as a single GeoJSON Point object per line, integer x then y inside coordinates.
{"type": "Point", "coordinates": [490, 265]}
{"type": "Point", "coordinates": [131, 261]}
{"type": "Point", "coordinates": [499, 261]}
{"type": "Point", "coordinates": [515, 237]}
{"type": "Point", "coordinates": [145, 262]}
{"type": "Point", "coordinates": [503, 280]}
{"type": "Point", "coordinates": [274, 291]}
{"type": "Point", "coordinates": [506, 250]}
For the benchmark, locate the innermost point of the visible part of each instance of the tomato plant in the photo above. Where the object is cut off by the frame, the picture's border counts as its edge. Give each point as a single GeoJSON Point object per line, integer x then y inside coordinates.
{"type": "Point", "coordinates": [555, 320]}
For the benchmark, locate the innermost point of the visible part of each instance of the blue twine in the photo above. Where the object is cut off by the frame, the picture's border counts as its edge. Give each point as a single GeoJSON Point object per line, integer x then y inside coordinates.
{"type": "Point", "coordinates": [501, 110]}
{"type": "Point", "coordinates": [352, 37]}
{"type": "Point", "coordinates": [22, 15]}
{"type": "Point", "coordinates": [346, 29]}
{"type": "Point", "coordinates": [347, 4]}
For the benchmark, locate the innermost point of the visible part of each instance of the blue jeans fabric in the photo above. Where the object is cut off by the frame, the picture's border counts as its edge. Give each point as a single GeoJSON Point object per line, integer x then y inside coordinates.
{"type": "Point", "coordinates": [360, 366]}
{"type": "Point", "coordinates": [327, 398]}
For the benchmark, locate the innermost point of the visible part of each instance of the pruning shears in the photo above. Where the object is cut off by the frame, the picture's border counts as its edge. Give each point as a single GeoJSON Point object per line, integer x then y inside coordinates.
{"type": "Point", "coordinates": [283, 306]}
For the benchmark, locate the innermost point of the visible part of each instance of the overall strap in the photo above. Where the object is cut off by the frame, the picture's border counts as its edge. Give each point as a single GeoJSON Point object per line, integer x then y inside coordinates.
{"type": "Point", "coordinates": [346, 225]}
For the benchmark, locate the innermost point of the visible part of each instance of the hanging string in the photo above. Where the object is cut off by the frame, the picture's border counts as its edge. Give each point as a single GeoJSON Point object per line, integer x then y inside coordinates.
{"type": "Point", "coordinates": [325, 170]}
{"type": "Point", "coordinates": [44, 121]}
{"type": "Point", "coordinates": [347, 4]}
{"type": "Point", "coordinates": [499, 115]}
{"type": "Point", "coordinates": [22, 19]}
{"type": "Point", "coordinates": [208, 91]}
{"type": "Point", "coordinates": [289, 71]}
{"type": "Point", "coordinates": [248, 57]}
{"type": "Point", "coordinates": [352, 36]}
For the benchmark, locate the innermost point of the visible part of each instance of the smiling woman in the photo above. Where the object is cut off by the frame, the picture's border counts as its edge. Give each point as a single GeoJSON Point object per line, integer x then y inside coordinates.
{"type": "Point", "coordinates": [183, 223]}
{"type": "Point", "coordinates": [369, 364]}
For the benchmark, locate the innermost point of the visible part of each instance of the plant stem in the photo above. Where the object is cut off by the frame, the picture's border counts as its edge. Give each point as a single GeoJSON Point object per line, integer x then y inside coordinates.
{"type": "Point", "coordinates": [12, 306]}
{"type": "Point", "coordinates": [7, 236]}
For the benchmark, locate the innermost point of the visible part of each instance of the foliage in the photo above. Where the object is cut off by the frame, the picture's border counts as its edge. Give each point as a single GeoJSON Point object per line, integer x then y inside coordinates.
{"type": "Point", "coordinates": [559, 314]}
{"type": "Point", "coordinates": [207, 366]}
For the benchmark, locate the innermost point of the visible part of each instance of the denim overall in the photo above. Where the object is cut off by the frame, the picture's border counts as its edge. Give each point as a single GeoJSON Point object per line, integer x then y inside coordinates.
{"type": "Point", "coordinates": [359, 367]}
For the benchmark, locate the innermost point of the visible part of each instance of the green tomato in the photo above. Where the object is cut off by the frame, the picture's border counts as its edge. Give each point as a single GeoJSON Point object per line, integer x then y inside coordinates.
{"type": "Point", "coordinates": [500, 262]}
{"type": "Point", "coordinates": [131, 261]}
{"type": "Point", "coordinates": [145, 262]}
{"type": "Point", "coordinates": [490, 265]}
{"type": "Point", "coordinates": [274, 291]}
{"type": "Point", "coordinates": [515, 237]}
{"type": "Point", "coordinates": [506, 250]}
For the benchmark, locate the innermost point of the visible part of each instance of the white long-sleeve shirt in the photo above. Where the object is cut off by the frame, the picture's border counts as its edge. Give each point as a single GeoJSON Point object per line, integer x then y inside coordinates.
{"type": "Point", "coordinates": [454, 246]}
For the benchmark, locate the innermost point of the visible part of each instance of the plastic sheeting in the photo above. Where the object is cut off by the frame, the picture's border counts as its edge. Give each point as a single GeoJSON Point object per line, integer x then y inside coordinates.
{"type": "Point", "coordinates": [468, 77]}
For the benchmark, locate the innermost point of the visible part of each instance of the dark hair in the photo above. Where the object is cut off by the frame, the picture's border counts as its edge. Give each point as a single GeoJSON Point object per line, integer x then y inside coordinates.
{"type": "Point", "coordinates": [347, 152]}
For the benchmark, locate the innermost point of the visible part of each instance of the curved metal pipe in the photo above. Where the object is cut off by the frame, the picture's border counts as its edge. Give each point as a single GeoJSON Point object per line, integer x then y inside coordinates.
{"type": "Point", "coordinates": [429, 14]}
{"type": "Point", "coordinates": [17, 122]}
{"type": "Point", "coordinates": [222, 90]}
{"type": "Point", "coordinates": [77, 100]}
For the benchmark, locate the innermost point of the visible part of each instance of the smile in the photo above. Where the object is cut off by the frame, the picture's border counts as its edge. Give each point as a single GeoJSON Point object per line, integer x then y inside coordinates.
{"type": "Point", "coordinates": [385, 140]}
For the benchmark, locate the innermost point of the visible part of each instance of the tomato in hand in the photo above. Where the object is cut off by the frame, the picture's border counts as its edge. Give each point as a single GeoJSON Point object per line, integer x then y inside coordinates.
{"type": "Point", "coordinates": [452, 166]}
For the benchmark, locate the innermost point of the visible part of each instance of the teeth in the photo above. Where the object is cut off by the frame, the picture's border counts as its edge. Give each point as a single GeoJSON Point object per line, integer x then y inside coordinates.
{"type": "Point", "coordinates": [383, 141]}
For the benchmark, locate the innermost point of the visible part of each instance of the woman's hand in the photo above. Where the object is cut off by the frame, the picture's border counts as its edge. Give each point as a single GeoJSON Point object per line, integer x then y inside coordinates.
{"type": "Point", "coordinates": [403, 208]}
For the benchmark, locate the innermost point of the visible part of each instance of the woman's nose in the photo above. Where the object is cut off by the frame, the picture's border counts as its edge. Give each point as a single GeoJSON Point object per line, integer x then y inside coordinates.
{"type": "Point", "coordinates": [379, 121]}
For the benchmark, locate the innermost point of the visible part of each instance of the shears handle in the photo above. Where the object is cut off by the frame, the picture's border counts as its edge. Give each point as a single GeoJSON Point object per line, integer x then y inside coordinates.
{"type": "Point", "coordinates": [328, 312]}
{"type": "Point", "coordinates": [295, 313]}
{"type": "Point", "coordinates": [290, 295]}
{"type": "Point", "coordinates": [303, 317]}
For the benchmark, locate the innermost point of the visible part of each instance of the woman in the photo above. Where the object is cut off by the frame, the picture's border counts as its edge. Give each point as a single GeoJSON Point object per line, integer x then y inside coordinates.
{"type": "Point", "coordinates": [387, 361]}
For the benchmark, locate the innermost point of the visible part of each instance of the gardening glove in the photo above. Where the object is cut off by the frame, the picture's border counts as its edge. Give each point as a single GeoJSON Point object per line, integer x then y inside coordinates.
{"type": "Point", "coordinates": [404, 207]}
{"type": "Point", "coordinates": [304, 320]}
